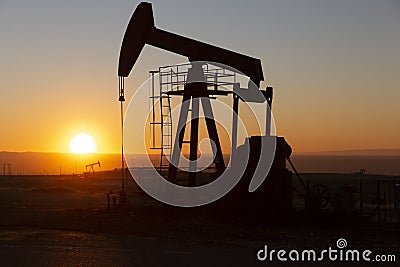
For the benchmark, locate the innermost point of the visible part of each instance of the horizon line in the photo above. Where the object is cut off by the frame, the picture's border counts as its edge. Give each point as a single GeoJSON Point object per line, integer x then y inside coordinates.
{"type": "Point", "coordinates": [294, 152]}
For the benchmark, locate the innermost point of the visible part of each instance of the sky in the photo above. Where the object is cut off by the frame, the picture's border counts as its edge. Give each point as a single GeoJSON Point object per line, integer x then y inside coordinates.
{"type": "Point", "coordinates": [334, 66]}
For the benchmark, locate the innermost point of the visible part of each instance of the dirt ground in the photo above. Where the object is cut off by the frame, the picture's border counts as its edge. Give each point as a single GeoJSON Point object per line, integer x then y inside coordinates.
{"type": "Point", "coordinates": [64, 221]}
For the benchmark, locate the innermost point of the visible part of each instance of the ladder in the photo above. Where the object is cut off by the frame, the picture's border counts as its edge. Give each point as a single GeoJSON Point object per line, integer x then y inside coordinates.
{"type": "Point", "coordinates": [161, 121]}
{"type": "Point", "coordinates": [166, 131]}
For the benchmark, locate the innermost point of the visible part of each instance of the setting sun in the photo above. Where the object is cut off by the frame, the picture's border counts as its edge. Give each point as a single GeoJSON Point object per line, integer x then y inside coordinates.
{"type": "Point", "coordinates": [82, 144]}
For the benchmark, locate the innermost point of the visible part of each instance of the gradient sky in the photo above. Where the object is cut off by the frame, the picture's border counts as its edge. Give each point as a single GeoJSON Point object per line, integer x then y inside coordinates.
{"type": "Point", "coordinates": [335, 67]}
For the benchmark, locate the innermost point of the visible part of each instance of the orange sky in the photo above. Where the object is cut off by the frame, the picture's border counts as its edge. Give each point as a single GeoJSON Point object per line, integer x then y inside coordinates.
{"type": "Point", "coordinates": [334, 67]}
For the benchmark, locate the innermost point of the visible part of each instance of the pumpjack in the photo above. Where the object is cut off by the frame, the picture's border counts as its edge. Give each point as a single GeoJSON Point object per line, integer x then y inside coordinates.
{"type": "Point", "coordinates": [275, 194]}
{"type": "Point", "coordinates": [91, 166]}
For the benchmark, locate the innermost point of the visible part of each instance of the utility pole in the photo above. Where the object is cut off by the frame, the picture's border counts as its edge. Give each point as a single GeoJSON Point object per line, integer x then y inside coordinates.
{"type": "Point", "coordinates": [8, 169]}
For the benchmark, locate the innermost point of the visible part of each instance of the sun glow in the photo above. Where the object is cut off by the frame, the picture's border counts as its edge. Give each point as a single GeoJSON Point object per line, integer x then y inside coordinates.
{"type": "Point", "coordinates": [82, 144]}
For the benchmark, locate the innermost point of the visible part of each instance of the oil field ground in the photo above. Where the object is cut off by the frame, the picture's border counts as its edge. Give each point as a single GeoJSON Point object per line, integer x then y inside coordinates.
{"type": "Point", "coordinates": [64, 220]}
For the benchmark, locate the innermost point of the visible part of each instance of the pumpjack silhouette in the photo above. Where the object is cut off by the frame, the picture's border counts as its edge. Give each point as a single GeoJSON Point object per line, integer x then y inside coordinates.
{"type": "Point", "coordinates": [269, 199]}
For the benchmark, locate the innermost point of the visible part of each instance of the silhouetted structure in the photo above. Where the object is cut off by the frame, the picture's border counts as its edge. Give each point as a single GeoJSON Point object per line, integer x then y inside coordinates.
{"type": "Point", "coordinates": [8, 169]}
{"type": "Point", "coordinates": [276, 193]}
{"type": "Point", "coordinates": [141, 31]}
{"type": "Point", "coordinates": [90, 166]}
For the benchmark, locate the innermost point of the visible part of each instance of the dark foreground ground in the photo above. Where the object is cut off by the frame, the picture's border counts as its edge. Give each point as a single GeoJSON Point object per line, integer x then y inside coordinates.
{"type": "Point", "coordinates": [63, 221]}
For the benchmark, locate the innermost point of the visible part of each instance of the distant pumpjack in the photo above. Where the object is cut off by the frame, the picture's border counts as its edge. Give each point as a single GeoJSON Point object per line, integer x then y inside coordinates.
{"type": "Point", "coordinates": [90, 166]}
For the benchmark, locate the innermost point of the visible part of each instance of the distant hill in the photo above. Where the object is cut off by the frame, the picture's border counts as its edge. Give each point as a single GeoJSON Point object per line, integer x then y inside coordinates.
{"type": "Point", "coordinates": [355, 152]}
{"type": "Point", "coordinates": [378, 161]}
{"type": "Point", "coordinates": [54, 163]}
{"type": "Point", "coordinates": [39, 163]}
